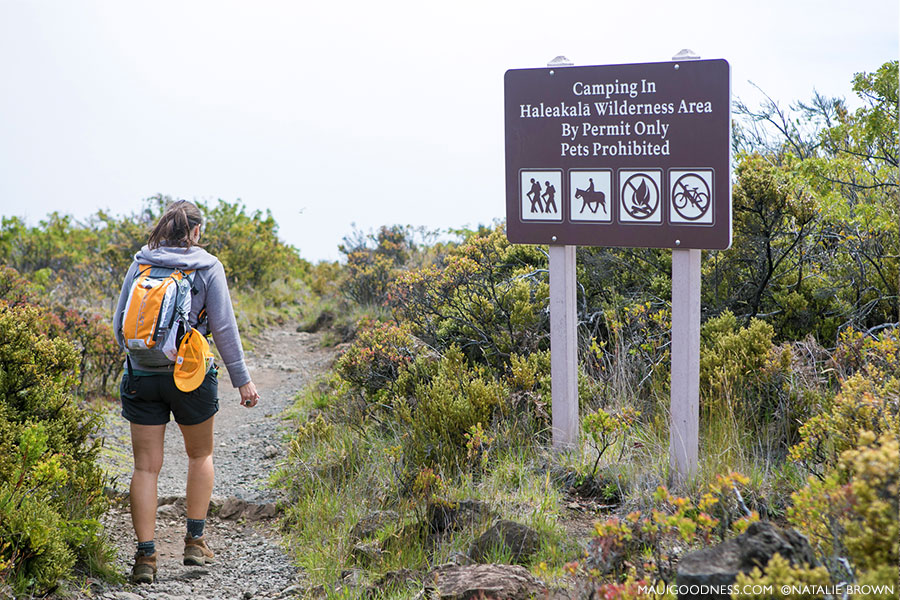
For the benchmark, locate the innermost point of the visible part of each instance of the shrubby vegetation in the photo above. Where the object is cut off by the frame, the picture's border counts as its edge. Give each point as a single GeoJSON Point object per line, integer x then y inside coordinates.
{"type": "Point", "coordinates": [51, 489]}
{"type": "Point", "coordinates": [441, 396]}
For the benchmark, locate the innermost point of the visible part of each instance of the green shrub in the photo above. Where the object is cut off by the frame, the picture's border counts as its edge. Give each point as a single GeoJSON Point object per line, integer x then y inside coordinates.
{"type": "Point", "coordinates": [605, 430]}
{"type": "Point", "coordinates": [848, 507]}
{"type": "Point", "coordinates": [444, 408]}
{"type": "Point", "coordinates": [488, 298]}
{"type": "Point", "coordinates": [747, 392]}
{"type": "Point", "coordinates": [374, 359]}
{"type": "Point", "coordinates": [628, 353]}
{"type": "Point", "coordinates": [864, 404]}
{"type": "Point", "coordinates": [858, 352]}
{"type": "Point", "coordinates": [872, 532]}
{"type": "Point", "coordinates": [732, 356]}
{"type": "Point", "coordinates": [51, 489]}
{"type": "Point", "coordinates": [323, 278]}
{"type": "Point", "coordinates": [374, 261]}
{"type": "Point", "coordinates": [16, 290]}
{"type": "Point", "coordinates": [530, 402]}
{"type": "Point", "coordinates": [34, 529]}
{"type": "Point", "coordinates": [100, 358]}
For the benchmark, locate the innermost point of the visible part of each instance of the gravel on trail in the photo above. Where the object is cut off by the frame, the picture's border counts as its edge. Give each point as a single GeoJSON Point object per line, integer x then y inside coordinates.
{"type": "Point", "coordinates": [249, 444]}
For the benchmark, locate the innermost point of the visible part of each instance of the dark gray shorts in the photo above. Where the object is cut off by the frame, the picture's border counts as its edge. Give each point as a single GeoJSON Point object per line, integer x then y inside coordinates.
{"type": "Point", "coordinates": [150, 398]}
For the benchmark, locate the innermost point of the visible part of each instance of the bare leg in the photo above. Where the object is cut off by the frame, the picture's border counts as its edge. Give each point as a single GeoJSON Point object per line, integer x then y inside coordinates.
{"type": "Point", "coordinates": [198, 443]}
{"type": "Point", "coordinates": [147, 442]}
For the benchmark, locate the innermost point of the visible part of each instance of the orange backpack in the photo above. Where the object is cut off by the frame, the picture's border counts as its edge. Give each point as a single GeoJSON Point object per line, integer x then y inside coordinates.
{"type": "Point", "coordinates": [156, 315]}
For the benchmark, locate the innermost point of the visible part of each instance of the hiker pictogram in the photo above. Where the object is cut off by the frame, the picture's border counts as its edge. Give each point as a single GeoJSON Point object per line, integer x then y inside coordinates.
{"type": "Point", "coordinates": [534, 194]}
{"type": "Point", "coordinates": [591, 196]}
{"type": "Point", "coordinates": [549, 196]}
{"type": "Point", "coordinates": [691, 196]}
{"type": "Point", "coordinates": [640, 196]}
{"type": "Point", "coordinates": [540, 195]}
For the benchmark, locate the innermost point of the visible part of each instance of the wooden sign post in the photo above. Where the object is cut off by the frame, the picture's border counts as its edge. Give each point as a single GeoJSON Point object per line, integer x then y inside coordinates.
{"type": "Point", "coordinates": [563, 347]}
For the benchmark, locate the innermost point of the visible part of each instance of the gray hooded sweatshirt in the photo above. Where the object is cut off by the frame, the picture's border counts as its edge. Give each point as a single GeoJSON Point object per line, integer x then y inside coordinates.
{"type": "Point", "coordinates": [211, 292]}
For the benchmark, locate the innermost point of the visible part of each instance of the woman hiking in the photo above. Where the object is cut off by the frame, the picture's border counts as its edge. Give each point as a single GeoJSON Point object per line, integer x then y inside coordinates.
{"type": "Point", "coordinates": [150, 390]}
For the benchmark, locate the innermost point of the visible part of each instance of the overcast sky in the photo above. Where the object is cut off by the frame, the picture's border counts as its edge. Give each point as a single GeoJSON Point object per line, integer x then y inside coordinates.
{"type": "Point", "coordinates": [350, 112]}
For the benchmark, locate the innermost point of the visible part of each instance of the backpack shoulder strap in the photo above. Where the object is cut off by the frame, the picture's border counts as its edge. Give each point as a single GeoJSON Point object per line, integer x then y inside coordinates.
{"type": "Point", "coordinates": [154, 271]}
{"type": "Point", "coordinates": [142, 270]}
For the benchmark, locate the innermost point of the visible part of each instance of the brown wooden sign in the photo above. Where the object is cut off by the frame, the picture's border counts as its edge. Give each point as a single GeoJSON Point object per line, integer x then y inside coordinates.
{"type": "Point", "coordinates": [620, 155]}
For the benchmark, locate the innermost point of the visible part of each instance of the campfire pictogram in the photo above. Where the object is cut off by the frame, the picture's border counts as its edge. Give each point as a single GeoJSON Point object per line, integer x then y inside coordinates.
{"type": "Point", "coordinates": [644, 197]}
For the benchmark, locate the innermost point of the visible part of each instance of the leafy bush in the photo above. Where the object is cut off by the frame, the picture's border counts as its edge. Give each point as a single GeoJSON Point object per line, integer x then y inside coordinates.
{"type": "Point", "coordinates": [375, 260]}
{"type": "Point", "coordinates": [731, 356]}
{"type": "Point", "coordinates": [51, 489]}
{"type": "Point", "coordinates": [747, 386]}
{"type": "Point", "coordinates": [374, 359]}
{"type": "Point", "coordinates": [369, 272]}
{"type": "Point", "coordinates": [857, 352]}
{"type": "Point", "coordinates": [100, 358]}
{"type": "Point", "coordinates": [488, 298]}
{"type": "Point", "coordinates": [443, 409]}
{"type": "Point", "coordinates": [872, 533]}
{"type": "Point", "coordinates": [863, 405]}
{"type": "Point", "coordinates": [529, 387]}
{"type": "Point", "coordinates": [606, 430]}
{"type": "Point", "coordinates": [80, 264]}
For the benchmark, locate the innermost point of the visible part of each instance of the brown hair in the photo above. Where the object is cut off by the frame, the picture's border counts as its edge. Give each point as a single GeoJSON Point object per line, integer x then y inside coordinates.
{"type": "Point", "coordinates": [174, 227]}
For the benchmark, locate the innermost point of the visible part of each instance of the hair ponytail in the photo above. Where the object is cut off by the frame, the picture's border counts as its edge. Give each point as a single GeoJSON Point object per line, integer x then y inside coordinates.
{"type": "Point", "coordinates": [174, 227]}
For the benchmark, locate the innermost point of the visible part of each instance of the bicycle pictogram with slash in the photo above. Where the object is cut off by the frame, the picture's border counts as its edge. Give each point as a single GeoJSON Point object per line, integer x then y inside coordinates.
{"type": "Point", "coordinates": [690, 196]}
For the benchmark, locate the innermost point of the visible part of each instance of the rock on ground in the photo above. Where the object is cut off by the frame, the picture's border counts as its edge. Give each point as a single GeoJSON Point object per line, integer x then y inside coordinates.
{"type": "Point", "coordinates": [719, 565]}
{"type": "Point", "coordinates": [519, 540]}
{"type": "Point", "coordinates": [499, 582]}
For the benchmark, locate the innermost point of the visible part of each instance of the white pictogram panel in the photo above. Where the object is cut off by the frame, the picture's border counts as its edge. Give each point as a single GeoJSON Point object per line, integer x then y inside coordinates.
{"type": "Point", "coordinates": [691, 196]}
{"type": "Point", "coordinates": [640, 194]}
{"type": "Point", "coordinates": [590, 196]}
{"type": "Point", "coordinates": [540, 192]}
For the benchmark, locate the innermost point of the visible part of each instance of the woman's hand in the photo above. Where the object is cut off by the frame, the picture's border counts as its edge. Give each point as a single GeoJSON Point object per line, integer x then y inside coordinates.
{"type": "Point", "coordinates": [249, 395]}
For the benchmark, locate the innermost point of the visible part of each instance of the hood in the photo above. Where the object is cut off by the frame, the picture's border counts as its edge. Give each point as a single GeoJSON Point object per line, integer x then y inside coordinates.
{"type": "Point", "coordinates": [193, 258]}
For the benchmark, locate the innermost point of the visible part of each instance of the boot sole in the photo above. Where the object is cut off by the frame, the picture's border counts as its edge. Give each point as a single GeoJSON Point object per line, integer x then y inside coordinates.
{"type": "Point", "coordinates": [196, 561]}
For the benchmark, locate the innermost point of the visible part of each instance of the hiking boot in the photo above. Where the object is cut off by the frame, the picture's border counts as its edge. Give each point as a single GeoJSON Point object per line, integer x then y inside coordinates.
{"type": "Point", "coordinates": [196, 552]}
{"type": "Point", "coordinates": [144, 569]}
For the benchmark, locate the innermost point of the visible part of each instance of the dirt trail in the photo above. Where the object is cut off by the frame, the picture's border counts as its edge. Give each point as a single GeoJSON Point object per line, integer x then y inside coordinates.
{"type": "Point", "coordinates": [250, 562]}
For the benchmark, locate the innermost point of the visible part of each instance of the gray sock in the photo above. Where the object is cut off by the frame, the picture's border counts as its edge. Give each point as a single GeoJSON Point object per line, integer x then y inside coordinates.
{"type": "Point", "coordinates": [146, 548]}
{"type": "Point", "coordinates": [195, 527]}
